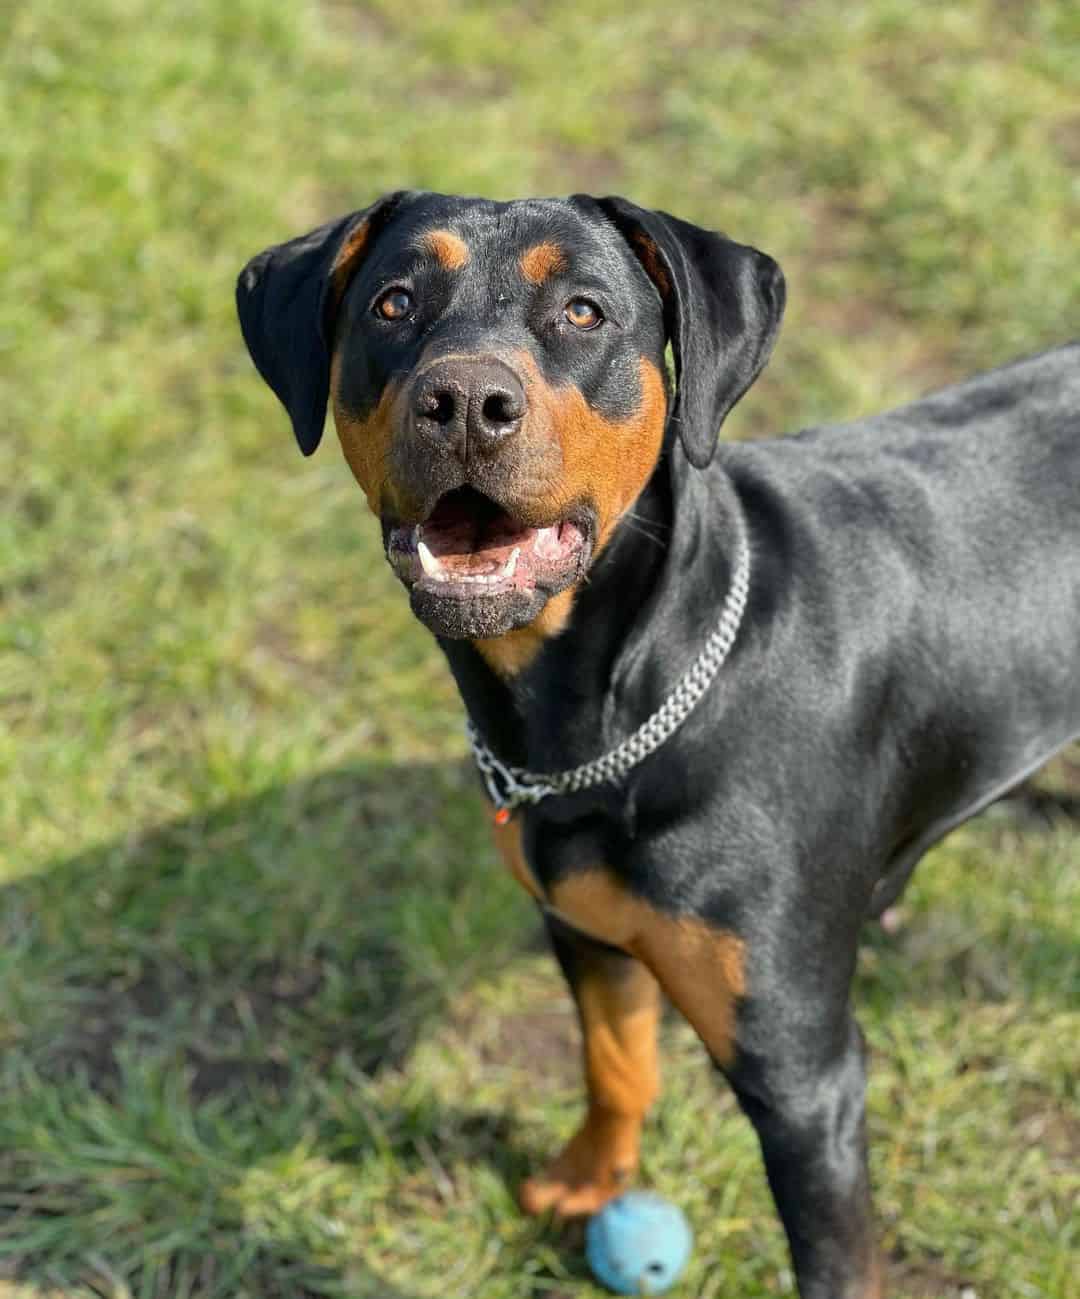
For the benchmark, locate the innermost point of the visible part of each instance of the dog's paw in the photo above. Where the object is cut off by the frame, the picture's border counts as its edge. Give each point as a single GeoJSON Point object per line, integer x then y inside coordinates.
{"type": "Point", "coordinates": [596, 1165]}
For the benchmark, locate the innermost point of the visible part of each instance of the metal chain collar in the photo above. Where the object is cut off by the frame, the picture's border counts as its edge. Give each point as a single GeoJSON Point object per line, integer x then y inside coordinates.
{"type": "Point", "coordinates": [508, 786]}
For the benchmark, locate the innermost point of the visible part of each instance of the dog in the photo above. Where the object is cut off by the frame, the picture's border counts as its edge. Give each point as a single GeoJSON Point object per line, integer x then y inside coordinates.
{"type": "Point", "coordinates": [723, 696]}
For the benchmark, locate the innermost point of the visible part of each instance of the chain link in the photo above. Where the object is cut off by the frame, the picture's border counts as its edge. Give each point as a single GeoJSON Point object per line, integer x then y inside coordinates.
{"type": "Point", "coordinates": [508, 786]}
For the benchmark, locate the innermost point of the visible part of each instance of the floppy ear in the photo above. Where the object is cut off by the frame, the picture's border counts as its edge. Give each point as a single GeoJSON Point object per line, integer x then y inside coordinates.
{"type": "Point", "coordinates": [723, 303]}
{"type": "Point", "coordinates": [287, 299]}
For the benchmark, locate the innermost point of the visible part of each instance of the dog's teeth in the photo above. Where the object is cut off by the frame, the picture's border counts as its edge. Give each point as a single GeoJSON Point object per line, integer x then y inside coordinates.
{"type": "Point", "coordinates": [510, 567]}
{"type": "Point", "coordinates": [428, 562]}
{"type": "Point", "coordinates": [547, 542]}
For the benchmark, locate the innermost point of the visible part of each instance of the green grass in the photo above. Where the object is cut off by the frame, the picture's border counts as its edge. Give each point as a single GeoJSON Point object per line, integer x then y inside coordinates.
{"type": "Point", "coordinates": [270, 1017]}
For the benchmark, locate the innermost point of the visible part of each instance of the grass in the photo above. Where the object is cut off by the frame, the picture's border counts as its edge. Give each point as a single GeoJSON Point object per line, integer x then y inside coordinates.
{"type": "Point", "coordinates": [270, 1017]}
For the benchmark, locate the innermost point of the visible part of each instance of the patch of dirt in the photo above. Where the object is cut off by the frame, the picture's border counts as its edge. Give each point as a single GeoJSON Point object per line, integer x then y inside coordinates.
{"type": "Point", "coordinates": [1065, 137]}
{"type": "Point", "coordinates": [544, 1043]}
{"type": "Point", "coordinates": [358, 20]}
{"type": "Point", "coordinates": [461, 82]}
{"type": "Point", "coordinates": [271, 1274]}
{"type": "Point", "coordinates": [33, 506]}
{"type": "Point", "coordinates": [1063, 772]}
{"type": "Point", "coordinates": [1053, 793]}
{"type": "Point", "coordinates": [567, 168]}
{"type": "Point", "coordinates": [220, 1027]}
{"type": "Point", "coordinates": [1052, 1127]}
{"type": "Point", "coordinates": [837, 225]}
{"type": "Point", "coordinates": [926, 1278]}
{"type": "Point", "coordinates": [275, 643]}
{"type": "Point", "coordinates": [138, 1012]}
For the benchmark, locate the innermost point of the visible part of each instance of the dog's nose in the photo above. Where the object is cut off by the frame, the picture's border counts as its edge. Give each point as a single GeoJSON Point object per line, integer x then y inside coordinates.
{"type": "Point", "coordinates": [475, 404]}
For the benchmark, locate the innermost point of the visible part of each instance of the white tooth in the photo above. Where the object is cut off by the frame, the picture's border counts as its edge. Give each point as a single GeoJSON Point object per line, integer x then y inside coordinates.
{"type": "Point", "coordinates": [510, 567]}
{"type": "Point", "coordinates": [428, 562]}
{"type": "Point", "coordinates": [547, 542]}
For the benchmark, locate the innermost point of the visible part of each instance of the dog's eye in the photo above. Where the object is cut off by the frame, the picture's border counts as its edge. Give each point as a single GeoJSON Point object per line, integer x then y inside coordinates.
{"type": "Point", "coordinates": [582, 314]}
{"type": "Point", "coordinates": [394, 304]}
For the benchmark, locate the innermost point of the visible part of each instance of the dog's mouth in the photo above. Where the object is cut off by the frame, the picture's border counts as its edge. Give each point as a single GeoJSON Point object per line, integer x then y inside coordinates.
{"type": "Point", "coordinates": [471, 548]}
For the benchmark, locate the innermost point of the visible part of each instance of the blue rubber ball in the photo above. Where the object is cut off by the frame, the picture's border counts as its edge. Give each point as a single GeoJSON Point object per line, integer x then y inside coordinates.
{"type": "Point", "coordinates": [638, 1244]}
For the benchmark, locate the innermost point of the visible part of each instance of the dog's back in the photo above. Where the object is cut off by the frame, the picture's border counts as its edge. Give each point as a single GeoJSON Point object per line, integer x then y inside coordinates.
{"type": "Point", "coordinates": [934, 553]}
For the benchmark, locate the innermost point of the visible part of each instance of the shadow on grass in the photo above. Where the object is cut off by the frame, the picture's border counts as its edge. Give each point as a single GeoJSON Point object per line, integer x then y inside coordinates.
{"type": "Point", "coordinates": [254, 966]}
{"type": "Point", "coordinates": [337, 913]}
{"type": "Point", "coordinates": [264, 964]}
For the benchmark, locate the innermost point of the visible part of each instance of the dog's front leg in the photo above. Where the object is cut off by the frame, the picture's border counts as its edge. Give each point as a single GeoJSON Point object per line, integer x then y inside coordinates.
{"type": "Point", "coordinates": [796, 1064]}
{"type": "Point", "coordinates": [618, 1003]}
{"type": "Point", "coordinates": [805, 1095]}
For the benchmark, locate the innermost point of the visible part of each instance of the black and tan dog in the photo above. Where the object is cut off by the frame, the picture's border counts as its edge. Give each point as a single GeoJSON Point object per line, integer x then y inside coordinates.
{"type": "Point", "coordinates": [567, 527]}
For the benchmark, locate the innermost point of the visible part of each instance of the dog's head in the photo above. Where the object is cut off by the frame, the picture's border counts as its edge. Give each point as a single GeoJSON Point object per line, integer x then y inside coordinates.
{"type": "Point", "coordinates": [497, 376]}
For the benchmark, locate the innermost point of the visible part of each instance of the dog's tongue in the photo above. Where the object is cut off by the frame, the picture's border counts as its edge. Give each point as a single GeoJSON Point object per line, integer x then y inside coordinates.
{"type": "Point", "coordinates": [464, 539]}
{"type": "Point", "coordinates": [470, 544]}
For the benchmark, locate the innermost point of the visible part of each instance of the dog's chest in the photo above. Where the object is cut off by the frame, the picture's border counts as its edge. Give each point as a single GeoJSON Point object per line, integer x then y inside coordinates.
{"type": "Point", "coordinates": [575, 883]}
{"type": "Point", "coordinates": [701, 968]}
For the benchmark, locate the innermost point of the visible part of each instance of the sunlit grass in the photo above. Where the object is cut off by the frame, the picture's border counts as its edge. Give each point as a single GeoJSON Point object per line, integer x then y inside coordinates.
{"type": "Point", "coordinates": [272, 1023]}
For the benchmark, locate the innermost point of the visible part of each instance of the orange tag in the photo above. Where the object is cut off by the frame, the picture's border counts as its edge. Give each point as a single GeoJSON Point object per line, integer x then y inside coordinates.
{"type": "Point", "coordinates": [502, 816]}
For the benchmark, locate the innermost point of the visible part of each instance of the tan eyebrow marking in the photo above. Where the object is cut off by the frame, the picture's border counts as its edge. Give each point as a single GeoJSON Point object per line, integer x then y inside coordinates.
{"type": "Point", "coordinates": [448, 249]}
{"type": "Point", "coordinates": [542, 260]}
{"type": "Point", "coordinates": [346, 261]}
{"type": "Point", "coordinates": [649, 256]}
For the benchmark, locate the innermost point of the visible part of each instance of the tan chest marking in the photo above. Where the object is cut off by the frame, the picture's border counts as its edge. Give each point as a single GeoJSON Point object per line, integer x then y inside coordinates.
{"type": "Point", "coordinates": [701, 969]}
{"type": "Point", "coordinates": [508, 843]}
{"type": "Point", "coordinates": [513, 650]}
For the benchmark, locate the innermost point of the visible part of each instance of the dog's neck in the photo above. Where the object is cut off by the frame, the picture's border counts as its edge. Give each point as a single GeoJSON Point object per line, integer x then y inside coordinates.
{"type": "Point", "coordinates": [572, 700]}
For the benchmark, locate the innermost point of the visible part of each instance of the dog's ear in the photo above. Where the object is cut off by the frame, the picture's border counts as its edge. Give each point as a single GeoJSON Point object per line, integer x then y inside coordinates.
{"type": "Point", "coordinates": [722, 303]}
{"type": "Point", "coordinates": [287, 298]}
